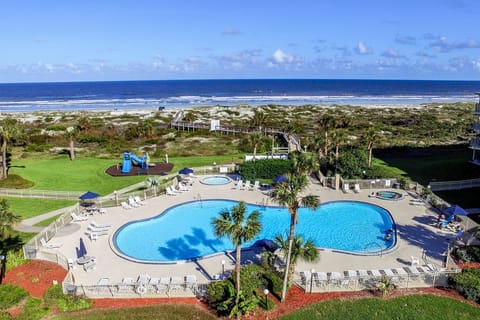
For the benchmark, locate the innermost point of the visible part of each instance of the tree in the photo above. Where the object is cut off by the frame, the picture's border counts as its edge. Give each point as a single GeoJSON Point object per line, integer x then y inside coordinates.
{"type": "Point", "coordinates": [339, 137]}
{"type": "Point", "coordinates": [327, 122]}
{"type": "Point", "coordinates": [255, 140]}
{"type": "Point", "coordinates": [303, 250]}
{"type": "Point", "coordinates": [154, 183]}
{"type": "Point", "coordinates": [9, 129]}
{"type": "Point", "coordinates": [7, 219]}
{"type": "Point", "coordinates": [258, 119]}
{"type": "Point", "coordinates": [239, 228]}
{"type": "Point", "coordinates": [71, 134]}
{"type": "Point", "coordinates": [289, 194]}
{"type": "Point", "coordinates": [370, 138]}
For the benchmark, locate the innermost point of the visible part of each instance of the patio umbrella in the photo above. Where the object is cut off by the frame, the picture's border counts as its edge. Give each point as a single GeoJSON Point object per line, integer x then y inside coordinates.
{"type": "Point", "coordinates": [82, 249]}
{"type": "Point", "coordinates": [89, 196]}
{"type": "Point", "coordinates": [456, 210]}
{"type": "Point", "coordinates": [280, 179]}
{"type": "Point", "coordinates": [185, 171]}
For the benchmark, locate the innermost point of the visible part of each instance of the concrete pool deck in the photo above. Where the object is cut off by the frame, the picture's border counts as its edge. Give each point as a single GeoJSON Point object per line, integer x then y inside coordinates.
{"type": "Point", "coordinates": [417, 236]}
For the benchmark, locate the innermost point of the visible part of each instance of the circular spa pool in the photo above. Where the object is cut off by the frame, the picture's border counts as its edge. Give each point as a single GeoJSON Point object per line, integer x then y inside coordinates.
{"type": "Point", "coordinates": [185, 232]}
{"type": "Point", "coordinates": [389, 195]}
{"type": "Point", "coordinates": [216, 180]}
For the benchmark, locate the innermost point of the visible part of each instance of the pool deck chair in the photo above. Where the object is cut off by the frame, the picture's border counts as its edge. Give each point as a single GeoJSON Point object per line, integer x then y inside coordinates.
{"type": "Point", "coordinates": [255, 186]}
{"type": "Point", "coordinates": [346, 188]}
{"type": "Point", "coordinates": [170, 192]}
{"type": "Point", "coordinates": [138, 200]}
{"type": "Point", "coordinates": [356, 188]}
{"type": "Point", "coordinates": [415, 261]}
{"type": "Point", "coordinates": [46, 245]}
{"type": "Point", "coordinates": [100, 225]}
{"type": "Point", "coordinates": [126, 206]}
{"type": "Point", "coordinates": [77, 218]}
{"type": "Point", "coordinates": [387, 183]}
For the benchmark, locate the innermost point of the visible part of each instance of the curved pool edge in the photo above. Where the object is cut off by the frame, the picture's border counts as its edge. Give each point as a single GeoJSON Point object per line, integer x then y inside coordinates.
{"type": "Point", "coordinates": [117, 252]}
{"type": "Point", "coordinates": [228, 180]}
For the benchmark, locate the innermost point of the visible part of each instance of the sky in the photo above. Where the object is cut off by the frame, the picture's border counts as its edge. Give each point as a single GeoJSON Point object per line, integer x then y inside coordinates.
{"type": "Point", "coordinates": [102, 40]}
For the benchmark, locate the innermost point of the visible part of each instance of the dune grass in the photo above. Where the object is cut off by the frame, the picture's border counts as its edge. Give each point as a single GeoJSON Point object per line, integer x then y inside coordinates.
{"type": "Point", "coordinates": [419, 307]}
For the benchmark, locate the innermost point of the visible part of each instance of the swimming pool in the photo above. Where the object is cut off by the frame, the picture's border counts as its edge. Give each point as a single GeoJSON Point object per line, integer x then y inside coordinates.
{"type": "Point", "coordinates": [184, 232]}
{"type": "Point", "coordinates": [216, 180]}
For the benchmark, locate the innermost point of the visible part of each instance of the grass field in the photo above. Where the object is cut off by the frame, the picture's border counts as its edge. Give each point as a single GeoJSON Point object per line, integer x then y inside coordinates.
{"type": "Point", "coordinates": [27, 208]}
{"type": "Point", "coordinates": [422, 307]}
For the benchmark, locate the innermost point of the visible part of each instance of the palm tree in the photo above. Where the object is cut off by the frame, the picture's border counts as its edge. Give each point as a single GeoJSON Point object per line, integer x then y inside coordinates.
{"type": "Point", "coordinates": [303, 250]}
{"type": "Point", "coordinates": [370, 138]}
{"type": "Point", "coordinates": [258, 119]}
{"type": "Point", "coordinates": [154, 183]}
{"type": "Point", "coordinates": [255, 140]}
{"type": "Point", "coordinates": [327, 121]}
{"type": "Point", "coordinates": [339, 137]}
{"type": "Point", "coordinates": [7, 219]}
{"type": "Point", "coordinates": [288, 194]}
{"type": "Point", "coordinates": [71, 134]}
{"type": "Point", "coordinates": [9, 128]}
{"type": "Point", "coordinates": [239, 228]}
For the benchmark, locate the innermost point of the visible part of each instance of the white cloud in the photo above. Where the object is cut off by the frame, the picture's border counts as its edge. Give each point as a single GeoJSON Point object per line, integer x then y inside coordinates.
{"type": "Point", "coordinates": [362, 48]}
{"type": "Point", "coordinates": [281, 57]}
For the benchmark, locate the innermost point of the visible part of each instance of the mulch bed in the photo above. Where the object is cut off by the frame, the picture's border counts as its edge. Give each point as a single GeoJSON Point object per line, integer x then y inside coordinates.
{"type": "Point", "coordinates": [156, 168]}
{"type": "Point", "coordinates": [37, 276]}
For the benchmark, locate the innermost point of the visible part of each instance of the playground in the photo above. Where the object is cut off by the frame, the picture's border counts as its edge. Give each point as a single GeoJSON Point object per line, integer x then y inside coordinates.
{"type": "Point", "coordinates": [133, 165]}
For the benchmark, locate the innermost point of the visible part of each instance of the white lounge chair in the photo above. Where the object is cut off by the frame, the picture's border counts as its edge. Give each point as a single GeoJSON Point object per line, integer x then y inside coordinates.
{"type": "Point", "coordinates": [238, 184]}
{"type": "Point", "coordinates": [138, 200]}
{"type": "Point", "coordinates": [93, 235]}
{"type": "Point", "coordinates": [190, 281]}
{"type": "Point", "coordinates": [95, 229]}
{"type": "Point", "coordinates": [175, 283]}
{"type": "Point", "coordinates": [346, 188]}
{"type": "Point", "coordinates": [100, 225]}
{"type": "Point", "coordinates": [415, 261]}
{"type": "Point", "coordinates": [255, 186]}
{"type": "Point", "coordinates": [163, 284]}
{"type": "Point", "coordinates": [170, 192]}
{"type": "Point", "coordinates": [153, 284]}
{"type": "Point", "coordinates": [126, 206]}
{"type": "Point", "coordinates": [132, 202]}
{"type": "Point", "coordinates": [46, 245]}
{"type": "Point", "coordinates": [356, 188]}
{"type": "Point", "coordinates": [246, 186]}
{"type": "Point", "coordinates": [143, 279]}
{"type": "Point", "coordinates": [102, 211]}
{"type": "Point", "coordinates": [127, 284]}
{"type": "Point", "coordinates": [77, 218]}
{"type": "Point", "coordinates": [387, 183]}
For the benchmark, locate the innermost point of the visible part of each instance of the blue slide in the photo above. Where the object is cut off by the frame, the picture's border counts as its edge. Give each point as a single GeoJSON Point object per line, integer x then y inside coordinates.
{"type": "Point", "coordinates": [127, 161]}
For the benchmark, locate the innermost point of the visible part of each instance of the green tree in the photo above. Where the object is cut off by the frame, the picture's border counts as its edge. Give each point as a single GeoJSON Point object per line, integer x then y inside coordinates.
{"type": "Point", "coordinates": [327, 122]}
{"type": "Point", "coordinates": [259, 119]}
{"type": "Point", "coordinates": [71, 134]}
{"type": "Point", "coordinates": [303, 250]}
{"type": "Point", "coordinates": [154, 183]}
{"type": "Point", "coordinates": [239, 228]}
{"type": "Point", "coordinates": [7, 219]}
{"type": "Point", "coordinates": [370, 137]}
{"type": "Point", "coordinates": [255, 140]}
{"type": "Point", "coordinates": [9, 129]}
{"type": "Point", "coordinates": [289, 194]}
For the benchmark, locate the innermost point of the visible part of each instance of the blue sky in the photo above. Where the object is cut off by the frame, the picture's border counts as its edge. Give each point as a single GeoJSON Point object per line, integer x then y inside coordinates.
{"type": "Point", "coordinates": [227, 39]}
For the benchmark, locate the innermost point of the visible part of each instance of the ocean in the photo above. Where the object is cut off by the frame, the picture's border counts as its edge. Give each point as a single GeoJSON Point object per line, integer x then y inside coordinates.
{"type": "Point", "coordinates": [148, 95]}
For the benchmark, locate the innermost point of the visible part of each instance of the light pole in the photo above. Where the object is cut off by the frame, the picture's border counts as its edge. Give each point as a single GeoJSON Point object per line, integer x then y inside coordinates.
{"type": "Point", "coordinates": [266, 292]}
{"type": "Point", "coordinates": [223, 269]}
{"type": "Point", "coordinates": [311, 279]}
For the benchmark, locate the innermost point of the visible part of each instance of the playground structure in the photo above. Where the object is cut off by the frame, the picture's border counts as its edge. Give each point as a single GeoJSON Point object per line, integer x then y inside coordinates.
{"type": "Point", "coordinates": [129, 158]}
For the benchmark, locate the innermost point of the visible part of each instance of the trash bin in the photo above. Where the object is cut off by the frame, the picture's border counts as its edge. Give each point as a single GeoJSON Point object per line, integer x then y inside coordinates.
{"type": "Point", "coordinates": [30, 252]}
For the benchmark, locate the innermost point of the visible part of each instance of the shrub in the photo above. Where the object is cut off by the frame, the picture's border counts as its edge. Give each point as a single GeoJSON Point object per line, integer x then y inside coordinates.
{"type": "Point", "coordinates": [34, 309]}
{"type": "Point", "coordinates": [264, 169]}
{"type": "Point", "coordinates": [65, 302]}
{"type": "Point", "coordinates": [10, 295]}
{"type": "Point", "coordinates": [467, 283]}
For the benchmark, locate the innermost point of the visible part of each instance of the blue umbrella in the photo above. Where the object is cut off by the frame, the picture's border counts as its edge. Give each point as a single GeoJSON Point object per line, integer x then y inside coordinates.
{"type": "Point", "coordinates": [82, 249]}
{"type": "Point", "coordinates": [456, 210]}
{"type": "Point", "coordinates": [280, 179]}
{"type": "Point", "coordinates": [89, 195]}
{"type": "Point", "coordinates": [185, 171]}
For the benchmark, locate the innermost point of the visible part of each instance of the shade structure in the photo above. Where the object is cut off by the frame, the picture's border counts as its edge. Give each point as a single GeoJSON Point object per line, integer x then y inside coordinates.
{"type": "Point", "coordinates": [456, 210]}
{"type": "Point", "coordinates": [186, 171]}
{"type": "Point", "coordinates": [89, 196]}
{"type": "Point", "coordinates": [280, 179]}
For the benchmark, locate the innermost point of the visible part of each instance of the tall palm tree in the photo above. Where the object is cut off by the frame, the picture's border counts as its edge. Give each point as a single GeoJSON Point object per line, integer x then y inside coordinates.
{"type": "Point", "coordinates": [288, 194]}
{"type": "Point", "coordinates": [303, 250]}
{"type": "Point", "coordinates": [327, 122]}
{"type": "Point", "coordinates": [9, 129]}
{"type": "Point", "coordinates": [239, 228]}
{"type": "Point", "coordinates": [370, 137]}
{"type": "Point", "coordinates": [255, 140]}
{"type": "Point", "coordinates": [259, 119]}
{"type": "Point", "coordinates": [339, 137]}
{"type": "Point", "coordinates": [7, 219]}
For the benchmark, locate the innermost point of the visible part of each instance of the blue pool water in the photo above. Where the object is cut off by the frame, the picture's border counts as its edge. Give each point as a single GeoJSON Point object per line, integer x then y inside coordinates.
{"type": "Point", "coordinates": [215, 180]}
{"type": "Point", "coordinates": [185, 232]}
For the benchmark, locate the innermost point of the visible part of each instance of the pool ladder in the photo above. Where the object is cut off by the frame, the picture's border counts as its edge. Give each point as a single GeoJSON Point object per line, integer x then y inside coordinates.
{"type": "Point", "coordinates": [199, 198]}
{"type": "Point", "coordinates": [375, 244]}
{"type": "Point", "coordinates": [263, 204]}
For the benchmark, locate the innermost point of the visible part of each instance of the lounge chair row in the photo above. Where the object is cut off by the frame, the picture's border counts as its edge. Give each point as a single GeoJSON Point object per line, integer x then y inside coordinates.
{"type": "Point", "coordinates": [95, 230]}
{"type": "Point", "coordinates": [356, 188]}
{"type": "Point", "coordinates": [173, 191]}
{"type": "Point", "coordinates": [247, 185]}
{"type": "Point", "coordinates": [145, 284]}
{"type": "Point", "coordinates": [133, 202]}
{"type": "Point", "coordinates": [354, 278]}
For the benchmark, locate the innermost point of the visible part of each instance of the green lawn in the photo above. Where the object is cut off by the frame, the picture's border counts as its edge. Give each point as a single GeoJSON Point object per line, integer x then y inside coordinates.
{"type": "Point", "coordinates": [27, 208]}
{"type": "Point", "coordinates": [164, 312]}
{"type": "Point", "coordinates": [418, 307]}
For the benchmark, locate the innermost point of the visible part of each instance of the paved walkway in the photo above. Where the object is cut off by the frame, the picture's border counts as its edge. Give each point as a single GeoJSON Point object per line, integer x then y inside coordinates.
{"type": "Point", "coordinates": [416, 237]}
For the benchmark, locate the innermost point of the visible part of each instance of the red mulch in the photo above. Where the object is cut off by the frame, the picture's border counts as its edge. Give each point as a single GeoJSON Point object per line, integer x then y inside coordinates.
{"type": "Point", "coordinates": [157, 168]}
{"type": "Point", "coordinates": [37, 276]}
